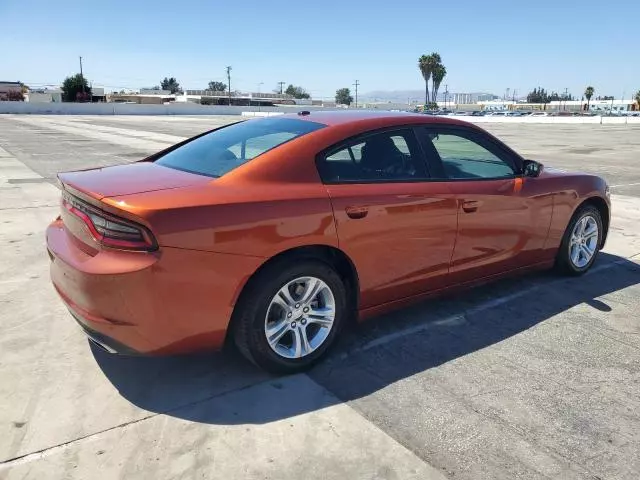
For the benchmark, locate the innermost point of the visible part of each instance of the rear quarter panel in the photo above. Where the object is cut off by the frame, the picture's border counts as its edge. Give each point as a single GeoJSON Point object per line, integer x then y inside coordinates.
{"type": "Point", "coordinates": [227, 219]}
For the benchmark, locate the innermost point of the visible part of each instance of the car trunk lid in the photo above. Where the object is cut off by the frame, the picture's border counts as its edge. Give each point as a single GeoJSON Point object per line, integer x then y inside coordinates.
{"type": "Point", "coordinates": [138, 177]}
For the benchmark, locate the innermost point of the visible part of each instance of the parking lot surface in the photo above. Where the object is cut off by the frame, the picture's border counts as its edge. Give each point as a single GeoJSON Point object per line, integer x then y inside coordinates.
{"type": "Point", "coordinates": [537, 377]}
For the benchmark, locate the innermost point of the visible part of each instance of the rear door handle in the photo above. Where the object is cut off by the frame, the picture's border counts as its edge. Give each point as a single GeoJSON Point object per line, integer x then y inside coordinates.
{"type": "Point", "coordinates": [356, 212]}
{"type": "Point", "coordinates": [470, 206]}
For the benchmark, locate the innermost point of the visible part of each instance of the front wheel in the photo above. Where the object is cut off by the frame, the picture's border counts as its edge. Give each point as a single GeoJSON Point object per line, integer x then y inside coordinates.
{"type": "Point", "coordinates": [290, 315]}
{"type": "Point", "coordinates": [581, 241]}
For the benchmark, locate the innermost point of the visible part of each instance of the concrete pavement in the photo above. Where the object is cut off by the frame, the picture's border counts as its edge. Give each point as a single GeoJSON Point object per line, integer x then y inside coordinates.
{"type": "Point", "coordinates": [536, 377]}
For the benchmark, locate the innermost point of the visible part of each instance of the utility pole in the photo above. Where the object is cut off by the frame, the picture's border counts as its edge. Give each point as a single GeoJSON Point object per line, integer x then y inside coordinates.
{"type": "Point", "coordinates": [81, 76]}
{"type": "Point", "coordinates": [229, 80]}
{"type": "Point", "coordinates": [446, 95]}
{"type": "Point", "coordinates": [281, 85]}
{"type": "Point", "coordinates": [259, 97]}
{"type": "Point", "coordinates": [356, 85]}
{"type": "Point", "coordinates": [566, 96]}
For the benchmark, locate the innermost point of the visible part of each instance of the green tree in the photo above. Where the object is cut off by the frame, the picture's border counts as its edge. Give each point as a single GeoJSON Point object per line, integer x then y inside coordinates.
{"type": "Point", "coordinates": [538, 95]}
{"type": "Point", "coordinates": [171, 84]}
{"type": "Point", "coordinates": [296, 92]}
{"type": "Point", "coordinates": [437, 75]}
{"type": "Point", "coordinates": [73, 87]}
{"type": "Point", "coordinates": [343, 96]}
{"type": "Point", "coordinates": [217, 86]}
{"type": "Point", "coordinates": [588, 93]}
{"type": "Point", "coordinates": [637, 98]}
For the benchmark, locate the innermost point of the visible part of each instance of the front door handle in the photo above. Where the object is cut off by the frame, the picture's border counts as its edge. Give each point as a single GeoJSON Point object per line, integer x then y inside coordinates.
{"type": "Point", "coordinates": [357, 212]}
{"type": "Point", "coordinates": [470, 206]}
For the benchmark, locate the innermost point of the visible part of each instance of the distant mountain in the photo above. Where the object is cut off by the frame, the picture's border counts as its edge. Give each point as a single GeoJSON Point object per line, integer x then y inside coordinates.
{"type": "Point", "coordinates": [394, 96]}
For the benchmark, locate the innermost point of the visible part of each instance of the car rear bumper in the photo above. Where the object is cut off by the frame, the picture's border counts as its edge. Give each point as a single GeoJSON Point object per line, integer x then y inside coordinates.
{"type": "Point", "coordinates": [164, 302]}
{"type": "Point", "coordinates": [106, 343]}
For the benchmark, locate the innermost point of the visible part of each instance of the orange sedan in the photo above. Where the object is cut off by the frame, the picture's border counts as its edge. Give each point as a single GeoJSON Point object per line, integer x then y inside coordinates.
{"type": "Point", "coordinates": [277, 231]}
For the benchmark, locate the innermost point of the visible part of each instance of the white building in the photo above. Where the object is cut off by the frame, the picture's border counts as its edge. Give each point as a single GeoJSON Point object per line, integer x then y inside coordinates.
{"type": "Point", "coordinates": [496, 105]}
{"type": "Point", "coordinates": [597, 106]}
{"type": "Point", "coordinates": [44, 95]}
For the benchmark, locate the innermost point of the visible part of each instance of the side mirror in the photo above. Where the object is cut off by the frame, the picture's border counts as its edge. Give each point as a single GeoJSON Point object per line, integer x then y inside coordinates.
{"type": "Point", "coordinates": [531, 168]}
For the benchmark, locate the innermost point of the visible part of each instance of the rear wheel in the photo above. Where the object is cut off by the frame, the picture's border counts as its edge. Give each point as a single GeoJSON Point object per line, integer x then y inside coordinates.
{"type": "Point", "coordinates": [581, 241]}
{"type": "Point", "coordinates": [290, 315]}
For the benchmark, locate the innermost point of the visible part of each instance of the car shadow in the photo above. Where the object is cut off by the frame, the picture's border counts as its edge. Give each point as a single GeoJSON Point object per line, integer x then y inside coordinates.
{"type": "Point", "coordinates": [225, 389]}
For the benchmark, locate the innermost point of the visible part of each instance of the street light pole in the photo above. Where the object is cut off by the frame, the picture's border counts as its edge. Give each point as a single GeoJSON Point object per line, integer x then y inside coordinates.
{"type": "Point", "coordinates": [81, 76]}
{"type": "Point", "coordinates": [259, 101]}
{"type": "Point", "coordinates": [356, 85]}
{"type": "Point", "coordinates": [229, 80]}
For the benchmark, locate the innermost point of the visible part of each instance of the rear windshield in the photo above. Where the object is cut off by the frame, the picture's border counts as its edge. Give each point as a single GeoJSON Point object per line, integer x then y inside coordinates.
{"type": "Point", "coordinates": [219, 152]}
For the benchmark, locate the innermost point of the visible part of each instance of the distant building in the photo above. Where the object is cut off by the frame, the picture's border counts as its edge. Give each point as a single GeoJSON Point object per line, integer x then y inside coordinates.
{"type": "Point", "coordinates": [6, 87]}
{"type": "Point", "coordinates": [497, 105]}
{"type": "Point", "coordinates": [597, 106]}
{"type": "Point", "coordinates": [466, 98]}
{"type": "Point", "coordinates": [44, 95]}
{"type": "Point", "coordinates": [141, 98]}
{"type": "Point", "coordinates": [154, 91]}
{"type": "Point", "coordinates": [485, 97]}
{"type": "Point", "coordinates": [210, 97]}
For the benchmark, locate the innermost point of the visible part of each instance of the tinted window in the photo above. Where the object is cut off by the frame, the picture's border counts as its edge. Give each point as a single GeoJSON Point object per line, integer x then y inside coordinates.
{"type": "Point", "coordinates": [463, 158]}
{"type": "Point", "coordinates": [219, 152]}
{"type": "Point", "coordinates": [386, 156]}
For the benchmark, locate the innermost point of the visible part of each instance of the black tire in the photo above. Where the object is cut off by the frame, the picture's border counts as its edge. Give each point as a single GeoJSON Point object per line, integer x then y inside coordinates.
{"type": "Point", "coordinates": [563, 259]}
{"type": "Point", "coordinates": [250, 312]}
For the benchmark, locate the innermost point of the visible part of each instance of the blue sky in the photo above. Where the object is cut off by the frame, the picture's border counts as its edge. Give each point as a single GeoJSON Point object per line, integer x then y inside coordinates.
{"type": "Point", "coordinates": [487, 45]}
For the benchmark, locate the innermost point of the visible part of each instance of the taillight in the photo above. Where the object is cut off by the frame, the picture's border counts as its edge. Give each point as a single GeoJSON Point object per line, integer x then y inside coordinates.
{"type": "Point", "coordinates": [109, 230]}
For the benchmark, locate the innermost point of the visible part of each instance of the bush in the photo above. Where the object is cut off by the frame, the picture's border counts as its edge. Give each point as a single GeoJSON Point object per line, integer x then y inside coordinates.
{"type": "Point", "coordinates": [12, 96]}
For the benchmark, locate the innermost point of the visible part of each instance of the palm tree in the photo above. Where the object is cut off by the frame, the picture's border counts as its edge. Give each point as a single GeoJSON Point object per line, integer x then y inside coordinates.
{"type": "Point", "coordinates": [427, 64]}
{"type": "Point", "coordinates": [438, 74]}
{"type": "Point", "coordinates": [589, 93]}
{"type": "Point", "coordinates": [424, 65]}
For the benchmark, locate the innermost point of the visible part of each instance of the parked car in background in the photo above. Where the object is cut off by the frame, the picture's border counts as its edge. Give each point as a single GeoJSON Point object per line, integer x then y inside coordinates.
{"type": "Point", "coordinates": [274, 233]}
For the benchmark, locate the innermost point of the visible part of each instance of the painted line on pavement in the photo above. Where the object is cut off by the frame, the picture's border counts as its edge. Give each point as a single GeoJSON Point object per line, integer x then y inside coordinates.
{"type": "Point", "coordinates": [459, 319]}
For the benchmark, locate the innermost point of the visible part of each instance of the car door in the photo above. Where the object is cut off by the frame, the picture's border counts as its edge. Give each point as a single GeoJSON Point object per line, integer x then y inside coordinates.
{"type": "Point", "coordinates": [503, 218]}
{"type": "Point", "coordinates": [393, 224]}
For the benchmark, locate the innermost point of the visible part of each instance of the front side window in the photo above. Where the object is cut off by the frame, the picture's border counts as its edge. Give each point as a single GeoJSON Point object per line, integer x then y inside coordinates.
{"type": "Point", "coordinates": [463, 158]}
{"type": "Point", "coordinates": [220, 151]}
{"type": "Point", "coordinates": [386, 156]}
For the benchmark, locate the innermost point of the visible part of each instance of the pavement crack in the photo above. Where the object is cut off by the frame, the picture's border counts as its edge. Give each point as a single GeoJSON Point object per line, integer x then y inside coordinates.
{"type": "Point", "coordinates": [31, 206]}
{"type": "Point", "coordinates": [45, 452]}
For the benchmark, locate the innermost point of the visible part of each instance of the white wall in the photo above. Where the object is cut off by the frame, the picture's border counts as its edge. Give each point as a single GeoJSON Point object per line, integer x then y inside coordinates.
{"type": "Point", "coordinates": [135, 109]}
{"type": "Point", "coordinates": [591, 120]}
{"type": "Point", "coordinates": [195, 109]}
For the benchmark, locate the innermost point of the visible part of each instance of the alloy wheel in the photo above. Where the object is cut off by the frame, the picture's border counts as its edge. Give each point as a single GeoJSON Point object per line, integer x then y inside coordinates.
{"type": "Point", "coordinates": [300, 317]}
{"type": "Point", "coordinates": [584, 241]}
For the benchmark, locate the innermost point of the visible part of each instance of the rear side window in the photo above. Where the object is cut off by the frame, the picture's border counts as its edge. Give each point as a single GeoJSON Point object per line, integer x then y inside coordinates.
{"type": "Point", "coordinates": [219, 152]}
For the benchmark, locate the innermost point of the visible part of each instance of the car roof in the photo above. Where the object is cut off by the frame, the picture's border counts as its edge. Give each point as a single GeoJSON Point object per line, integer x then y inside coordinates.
{"type": "Point", "coordinates": [335, 118]}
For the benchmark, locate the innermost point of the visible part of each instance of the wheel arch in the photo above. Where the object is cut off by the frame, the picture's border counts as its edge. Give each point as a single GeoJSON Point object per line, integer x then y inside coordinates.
{"type": "Point", "coordinates": [335, 257]}
{"type": "Point", "coordinates": [603, 208]}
